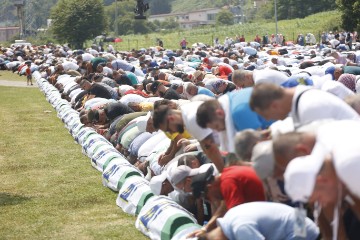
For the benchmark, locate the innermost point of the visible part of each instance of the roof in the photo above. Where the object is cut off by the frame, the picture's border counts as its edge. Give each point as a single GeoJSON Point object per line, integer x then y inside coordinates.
{"type": "Point", "coordinates": [9, 28]}
{"type": "Point", "coordinates": [183, 13]}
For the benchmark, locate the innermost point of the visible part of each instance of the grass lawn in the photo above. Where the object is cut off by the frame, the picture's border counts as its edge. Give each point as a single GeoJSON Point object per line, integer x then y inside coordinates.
{"type": "Point", "coordinates": [48, 188]}
{"type": "Point", "coordinates": [9, 75]}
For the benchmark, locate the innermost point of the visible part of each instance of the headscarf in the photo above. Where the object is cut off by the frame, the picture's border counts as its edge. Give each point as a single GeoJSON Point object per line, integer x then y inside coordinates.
{"type": "Point", "coordinates": [216, 85]}
{"type": "Point", "coordinates": [348, 80]}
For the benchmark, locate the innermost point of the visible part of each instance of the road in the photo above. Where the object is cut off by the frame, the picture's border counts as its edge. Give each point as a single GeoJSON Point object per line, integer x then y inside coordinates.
{"type": "Point", "coordinates": [9, 83]}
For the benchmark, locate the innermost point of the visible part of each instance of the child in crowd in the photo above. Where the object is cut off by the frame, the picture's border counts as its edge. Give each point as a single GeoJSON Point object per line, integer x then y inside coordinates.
{"type": "Point", "coordinates": [28, 74]}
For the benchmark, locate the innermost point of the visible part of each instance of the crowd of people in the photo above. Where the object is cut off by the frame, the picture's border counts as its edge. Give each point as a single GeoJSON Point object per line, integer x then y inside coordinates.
{"type": "Point", "coordinates": [257, 142]}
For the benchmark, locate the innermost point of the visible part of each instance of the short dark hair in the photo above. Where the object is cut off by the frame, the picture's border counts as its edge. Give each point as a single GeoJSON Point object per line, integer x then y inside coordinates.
{"type": "Point", "coordinates": [206, 112]}
{"type": "Point", "coordinates": [83, 82]}
{"type": "Point", "coordinates": [264, 94]}
{"type": "Point", "coordinates": [186, 160]}
{"type": "Point", "coordinates": [161, 102]}
{"type": "Point", "coordinates": [145, 82]}
{"type": "Point", "coordinates": [159, 115]}
{"type": "Point", "coordinates": [306, 64]}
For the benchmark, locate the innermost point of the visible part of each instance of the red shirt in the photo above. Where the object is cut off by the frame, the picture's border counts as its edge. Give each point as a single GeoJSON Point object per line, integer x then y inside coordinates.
{"type": "Point", "coordinates": [224, 70]}
{"type": "Point", "coordinates": [28, 71]}
{"type": "Point", "coordinates": [138, 92]}
{"type": "Point", "coordinates": [240, 184]}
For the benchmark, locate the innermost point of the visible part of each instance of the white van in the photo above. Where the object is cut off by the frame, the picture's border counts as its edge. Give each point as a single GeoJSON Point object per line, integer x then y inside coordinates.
{"type": "Point", "coordinates": [20, 43]}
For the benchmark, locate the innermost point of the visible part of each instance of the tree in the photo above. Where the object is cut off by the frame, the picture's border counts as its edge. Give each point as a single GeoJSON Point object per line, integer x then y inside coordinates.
{"type": "Point", "coordinates": [170, 23]}
{"type": "Point", "coordinates": [290, 9]}
{"type": "Point", "coordinates": [350, 14]}
{"type": "Point", "coordinates": [160, 7]}
{"type": "Point", "coordinates": [75, 21]}
{"type": "Point", "coordinates": [224, 17]}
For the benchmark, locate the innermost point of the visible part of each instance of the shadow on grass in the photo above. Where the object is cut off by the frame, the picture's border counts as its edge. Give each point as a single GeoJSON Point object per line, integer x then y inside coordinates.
{"type": "Point", "coordinates": [7, 199]}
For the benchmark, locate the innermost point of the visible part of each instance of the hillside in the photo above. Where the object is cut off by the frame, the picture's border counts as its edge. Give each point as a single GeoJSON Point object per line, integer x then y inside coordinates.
{"type": "Point", "coordinates": [191, 5]}
{"type": "Point", "coordinates": [317, 23]}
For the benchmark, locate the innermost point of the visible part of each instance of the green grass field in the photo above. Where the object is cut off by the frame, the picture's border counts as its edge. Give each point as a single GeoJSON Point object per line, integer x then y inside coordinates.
{"type": "Point", "coordinates": [316, 24]}
{"type": "Point", "coordinates": [9, 75]}
{"type": "Point", "coordinates": [48, 188]}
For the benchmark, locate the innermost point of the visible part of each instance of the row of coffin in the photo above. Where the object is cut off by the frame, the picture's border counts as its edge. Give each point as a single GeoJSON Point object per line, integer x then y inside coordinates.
{"type": "Point", "coordinates": [158, 217]}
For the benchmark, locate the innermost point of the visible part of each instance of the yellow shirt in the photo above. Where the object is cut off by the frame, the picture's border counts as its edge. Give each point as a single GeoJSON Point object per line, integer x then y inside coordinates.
{"type": "Point", "coordinates": [172, 136]}
{"type": "Point", "coordinates": [146, 106]}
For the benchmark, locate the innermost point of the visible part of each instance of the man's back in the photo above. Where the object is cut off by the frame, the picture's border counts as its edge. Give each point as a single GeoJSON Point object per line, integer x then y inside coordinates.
{"type": "Point", "coordinates": [240, 184]}
{"type": "Point", "coordinates": [116, 109]}
{"type": "Point", "coordinates": [243, 116]}
{"type": "Point", "coordinates": [100, 91]}
{"type": "Point", "coordinates": [269, 76]}
{"type": "Point", "coordinates": [264, 220]}
{"type": "Point", "coordinates": [315, 104]}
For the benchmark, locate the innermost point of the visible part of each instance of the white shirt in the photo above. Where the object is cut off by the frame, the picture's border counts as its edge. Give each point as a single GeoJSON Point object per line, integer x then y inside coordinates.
{"type": "Point", "coordinates": [334, 42]}
{"type": "Point", "coordinates": [336, 88]}
{"type": "Point", "coordinates": [314, 70]}
{"type": "Point", "coordinates": [188, 112]}
{"type": "Point", "coordinates": [269, 76]}
{"type": "Point", "coordinates": [131, 98]}
{"type": "Point", "coordinates": [226, 137]}
{"type": "Point", "coordinates": [70, 66]}
{"type": "Point", "coordinates": [341, 139]}
{"type": "Point", "coordinates": [87, 57]}
{"type": "Point", "coordinates": [74, 94]}
{"type": "Point", "coordinates": [65, 80]}
{"type": "Point", "coordinates": [147, 148]}
{"type": "Point", "coordinates": [316, 104]}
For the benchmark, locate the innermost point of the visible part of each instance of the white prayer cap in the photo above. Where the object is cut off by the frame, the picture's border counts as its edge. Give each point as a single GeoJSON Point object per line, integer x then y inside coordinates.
{"type": "Point", "coordinates": [300, 174]}
{"type": "Point", "coordinates": [156, 183]}
{"type": "Point", "coordinates": [263, 159]}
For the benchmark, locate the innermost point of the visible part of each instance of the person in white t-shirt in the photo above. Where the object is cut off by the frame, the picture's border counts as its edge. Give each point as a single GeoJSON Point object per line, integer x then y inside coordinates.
{"type": "Point", "coordinates": [244, 78]}
{"type": "Point", "coordinates": [334, 43]}
{"type": "Point", "coordinates": [70, 66]}
{"type": "Point", "coordinates": [303, 104]}
{"type": "Point", "coordinates": [329, 175]}
{"type": "Point", "coordinates": [86, 57]}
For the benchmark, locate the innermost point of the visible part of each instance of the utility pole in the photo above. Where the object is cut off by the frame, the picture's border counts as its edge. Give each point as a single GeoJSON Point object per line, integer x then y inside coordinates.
{"type": "Point", "coordinates": [19, 4]}
{"type": "Point", "coordinates": [115, 21]}
{"type": "Point", "coordinates": [276, 23]}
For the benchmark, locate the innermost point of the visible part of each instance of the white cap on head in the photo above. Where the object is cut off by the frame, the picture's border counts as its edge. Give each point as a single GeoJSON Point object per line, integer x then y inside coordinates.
{"type": "Point", "coordinates": [346, 159]}
{"type": "Point", "coordinates": [263, 159]}
{"type": "Point", "coordinates": [156, 183]}
{"type": "Point", "coordinates": [300, 174]}
{"type": "Point", "coordinates": [179, 173]}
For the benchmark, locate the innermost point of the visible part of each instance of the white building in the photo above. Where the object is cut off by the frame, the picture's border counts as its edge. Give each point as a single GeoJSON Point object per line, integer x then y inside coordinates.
{"type": "Point", "coordinates": [7, 33]}
{"type": "Point", "coordinates": [190, 19]}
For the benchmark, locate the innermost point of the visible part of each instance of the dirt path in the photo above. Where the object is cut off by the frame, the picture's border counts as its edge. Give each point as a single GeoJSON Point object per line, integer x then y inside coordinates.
{"type": "Point", "coordinates": [8, 83]}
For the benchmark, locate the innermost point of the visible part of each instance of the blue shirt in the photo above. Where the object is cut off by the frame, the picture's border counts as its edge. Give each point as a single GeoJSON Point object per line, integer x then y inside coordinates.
{"type": "Point", "coordinates": [264, 220]}
{"type": "Point", "coordinates": [298, 79]}
{"type": "Point", "coordinates": [205, 91]}
{"type": "Point", "coordinates": [138, 142]}
{"type": "Point", "coordinates": [242, 115]}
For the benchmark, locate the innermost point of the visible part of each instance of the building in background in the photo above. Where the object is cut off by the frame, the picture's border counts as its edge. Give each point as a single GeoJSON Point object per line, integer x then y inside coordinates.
{"type": "Point", "coordinates": [8, 33]}
{"type": "Point", "coordinates": [190, 19]}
